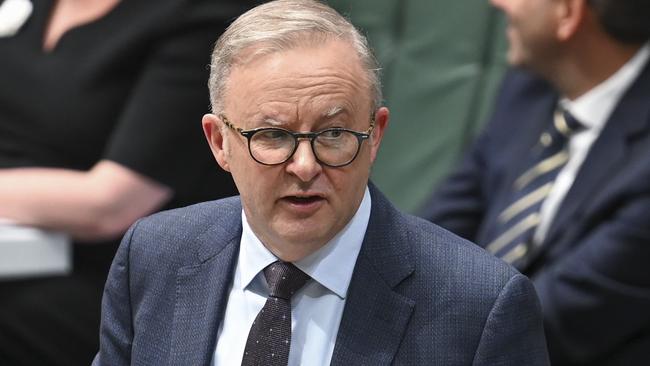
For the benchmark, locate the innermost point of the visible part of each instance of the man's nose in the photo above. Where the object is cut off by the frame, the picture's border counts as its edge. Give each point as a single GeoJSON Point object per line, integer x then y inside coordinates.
{"type": "Point", "coordinates": [303, 163]}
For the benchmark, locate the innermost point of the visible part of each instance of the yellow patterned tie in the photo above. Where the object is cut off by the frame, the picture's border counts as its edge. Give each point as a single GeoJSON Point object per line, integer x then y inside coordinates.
{"type": "Point", "coordinates": [516, 224]}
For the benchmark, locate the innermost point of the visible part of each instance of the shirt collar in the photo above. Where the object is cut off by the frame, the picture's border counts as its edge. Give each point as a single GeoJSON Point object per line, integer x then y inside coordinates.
{"type": "Point", "coordinates": [253, 255]}
{"type": "Point", "coordinates": [331, 266]}
{"type": "Point", "coordinates": [593, 108]}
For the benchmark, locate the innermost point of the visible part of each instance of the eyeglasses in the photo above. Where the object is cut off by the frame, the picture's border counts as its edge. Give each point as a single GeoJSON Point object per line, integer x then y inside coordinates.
{"type": "Point", "coordinates": [333, 147]}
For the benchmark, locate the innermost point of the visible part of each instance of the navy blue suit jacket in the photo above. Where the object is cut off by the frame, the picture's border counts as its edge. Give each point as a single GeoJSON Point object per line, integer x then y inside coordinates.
{"type": "Point", "coordinates": [592, 273]}
{"type": "Point", "coordinates": [419, 295]}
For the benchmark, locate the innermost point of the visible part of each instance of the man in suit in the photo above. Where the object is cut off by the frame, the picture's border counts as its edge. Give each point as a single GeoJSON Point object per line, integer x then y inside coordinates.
{"type": "Point", "coordinates": [311, 265]}
{"type": "Point", "coordinates": [570, 211]}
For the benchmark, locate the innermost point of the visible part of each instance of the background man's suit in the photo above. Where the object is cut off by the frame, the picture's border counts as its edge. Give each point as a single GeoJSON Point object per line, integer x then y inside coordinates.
{"type": "Point", "coordinates": [418, 296]}
{"type": "Point", "coordinates": [592, 270]}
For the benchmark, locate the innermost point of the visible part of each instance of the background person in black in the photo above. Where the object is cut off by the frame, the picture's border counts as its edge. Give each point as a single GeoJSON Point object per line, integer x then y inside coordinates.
{"type": "Point", "coordinates": [98, 108]}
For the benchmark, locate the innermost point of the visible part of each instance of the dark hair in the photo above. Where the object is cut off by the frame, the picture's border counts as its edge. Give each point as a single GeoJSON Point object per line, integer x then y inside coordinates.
{"type": "Point", "coordinates": [626, 20]}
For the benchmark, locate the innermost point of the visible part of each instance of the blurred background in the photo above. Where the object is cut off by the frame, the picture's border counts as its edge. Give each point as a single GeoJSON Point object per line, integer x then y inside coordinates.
{"type": "Point", "coordinates": [442, 63]}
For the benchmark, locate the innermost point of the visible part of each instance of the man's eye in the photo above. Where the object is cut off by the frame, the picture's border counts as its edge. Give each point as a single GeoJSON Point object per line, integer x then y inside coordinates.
{"type": "Point", "coordinates": [273, 135]}
{"type": "Point", "coordinates": [332, 134]}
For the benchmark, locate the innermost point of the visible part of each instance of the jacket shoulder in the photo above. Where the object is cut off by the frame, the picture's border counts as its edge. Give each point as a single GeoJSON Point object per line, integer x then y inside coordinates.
{"type": "Point", "coordinates": [176, 236]}
{"type": "Point", "coordinates": [437, 255]}
{"type": "Point", "coordinates": [459, 261]}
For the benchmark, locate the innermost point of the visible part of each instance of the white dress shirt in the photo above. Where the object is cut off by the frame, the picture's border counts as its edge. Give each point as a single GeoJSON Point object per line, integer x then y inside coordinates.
{"type": "Point", "coordinates": [593, 110]}
{"type": "Point", "coordinates": [316, 309]}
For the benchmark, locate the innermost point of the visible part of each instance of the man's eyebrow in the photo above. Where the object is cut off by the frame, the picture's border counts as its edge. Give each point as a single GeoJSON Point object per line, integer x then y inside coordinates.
{"type": "Point", "coordinates": [274, 122]}
{"type": "Point", "coordinates": [270, 121]}
{"type": "Point", "coordinates": [334, 111]}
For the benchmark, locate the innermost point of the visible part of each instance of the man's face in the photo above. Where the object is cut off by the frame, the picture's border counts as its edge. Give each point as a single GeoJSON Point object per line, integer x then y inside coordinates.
{"type": "Point", "coordinates": [297, 206]}
{"type": "Point", "coordinates": [531, 30]}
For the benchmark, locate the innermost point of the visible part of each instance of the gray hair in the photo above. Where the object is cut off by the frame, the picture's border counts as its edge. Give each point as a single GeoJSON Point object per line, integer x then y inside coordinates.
{"type": "Point", "coordinates": [282, 25]}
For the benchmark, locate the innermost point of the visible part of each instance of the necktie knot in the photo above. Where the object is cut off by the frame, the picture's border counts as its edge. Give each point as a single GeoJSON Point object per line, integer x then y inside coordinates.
{"type": "Point", "coordinates": [573, 125]}
{"type": "Point", "coordinates": [557, 135]}
{"type": "Point", "coordinates": [284, 279]}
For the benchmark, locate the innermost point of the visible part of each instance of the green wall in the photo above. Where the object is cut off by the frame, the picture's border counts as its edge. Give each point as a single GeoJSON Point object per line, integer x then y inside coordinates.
{"type": "Point", "coordinates": [442, 62]}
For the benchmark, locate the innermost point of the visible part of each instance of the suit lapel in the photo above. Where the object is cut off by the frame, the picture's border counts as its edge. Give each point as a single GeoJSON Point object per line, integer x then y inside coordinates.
{"type": "Point", "coordinates": [536, 120]}
{"type": "Point", "coordinates": [608, 153]}
{"type": "Point", "coordinates": [202, 295]}
{"type": "Point", "coordinates": [375, 316]}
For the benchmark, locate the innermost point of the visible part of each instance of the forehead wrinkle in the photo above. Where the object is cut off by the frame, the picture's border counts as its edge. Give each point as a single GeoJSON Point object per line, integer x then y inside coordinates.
{"type": "Point", "coordinates": [283, 97]}
{"type": "Point", "coordinates": [342, 77]}
{"type": "Point", "coordinates": [311, 86]}
{"type": "Point", "coordinates": [295, 100]}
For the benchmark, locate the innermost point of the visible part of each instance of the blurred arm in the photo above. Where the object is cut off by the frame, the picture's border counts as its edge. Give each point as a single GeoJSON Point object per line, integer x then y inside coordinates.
{"type": "Point", "coordinates": [596, 298]}
{"type": "Point", "coordinates": [94, 205]}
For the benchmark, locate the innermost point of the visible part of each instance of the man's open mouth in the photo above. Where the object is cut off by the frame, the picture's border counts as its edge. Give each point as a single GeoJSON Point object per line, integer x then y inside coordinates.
{"type": "Point", "coordinates": [302, 200]}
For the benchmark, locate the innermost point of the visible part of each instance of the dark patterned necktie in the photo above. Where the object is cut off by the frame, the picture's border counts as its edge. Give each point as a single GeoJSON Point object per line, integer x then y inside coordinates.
{"type": "Point", "coordinates": [269, 339]}
{"type": "Point", "coordinates": [513, 236]}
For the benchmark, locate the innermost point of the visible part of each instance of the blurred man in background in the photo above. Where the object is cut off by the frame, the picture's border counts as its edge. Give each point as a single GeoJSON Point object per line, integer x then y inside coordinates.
{"type": "Point", "coordinates": [557, 184]}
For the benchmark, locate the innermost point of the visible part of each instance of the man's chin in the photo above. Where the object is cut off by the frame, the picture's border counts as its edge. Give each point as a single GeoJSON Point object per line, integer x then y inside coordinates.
{"type": "Point", "coordinates": [513, 58]}
{"type": "Point", "coordinates": [310, 231]}
{"type": "Point", "coordinates": [305, 231]}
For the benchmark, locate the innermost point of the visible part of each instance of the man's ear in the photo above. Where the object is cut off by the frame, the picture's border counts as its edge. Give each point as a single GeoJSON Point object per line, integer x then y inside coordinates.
{"type": "Point", "coordinates": [571, 14]}
{"type": "Point", "coordinates": [212, 130]}
{"type": "Point", "coordinates": [381, 122]}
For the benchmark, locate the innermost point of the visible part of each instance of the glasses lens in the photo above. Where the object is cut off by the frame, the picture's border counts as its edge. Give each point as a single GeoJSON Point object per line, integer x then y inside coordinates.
{"type": "Point", "coordinates": [336, 146]}
{"type": "Point", "coordinates": [271, 145]}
